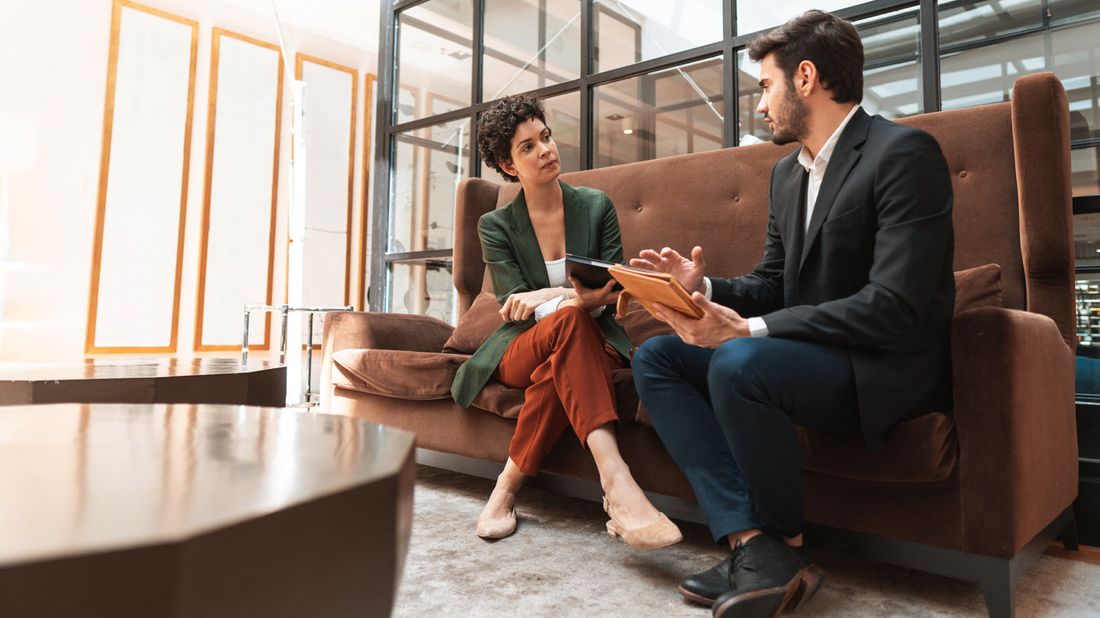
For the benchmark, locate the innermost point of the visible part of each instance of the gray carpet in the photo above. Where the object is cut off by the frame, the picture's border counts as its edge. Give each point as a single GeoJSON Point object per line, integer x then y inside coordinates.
{"type": "Point", "coordinates": [561, 562]}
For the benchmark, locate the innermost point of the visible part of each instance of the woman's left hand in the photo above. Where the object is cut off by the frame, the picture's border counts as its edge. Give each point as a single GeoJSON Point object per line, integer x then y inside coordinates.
{"type": "Point", "coordinates": [593, 298]}
{"type": "Point", "coordinates": [520, 306]}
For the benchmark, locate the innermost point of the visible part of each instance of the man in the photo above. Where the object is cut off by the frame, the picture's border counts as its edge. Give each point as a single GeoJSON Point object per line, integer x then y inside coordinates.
{"type": "Point", "coordinates": [842, 327]}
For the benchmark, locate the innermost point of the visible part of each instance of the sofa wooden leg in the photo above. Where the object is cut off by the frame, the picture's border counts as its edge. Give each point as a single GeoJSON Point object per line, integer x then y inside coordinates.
{"type": "Point", "coordinates": [998, 585]}
{"type": "Point", "coordinates": [1069, 534]}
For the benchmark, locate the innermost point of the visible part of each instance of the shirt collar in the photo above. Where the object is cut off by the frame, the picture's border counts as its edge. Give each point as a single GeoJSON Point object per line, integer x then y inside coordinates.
{"type": "Point", "coordinates": [826, 152]}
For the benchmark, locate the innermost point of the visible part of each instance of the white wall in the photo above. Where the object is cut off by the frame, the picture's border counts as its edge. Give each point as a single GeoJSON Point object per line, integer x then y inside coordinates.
{"type": "Point", "coordinates": [53, 83]}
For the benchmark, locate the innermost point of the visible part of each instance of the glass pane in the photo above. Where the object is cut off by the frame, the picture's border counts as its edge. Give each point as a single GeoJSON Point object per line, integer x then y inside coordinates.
{"type": "Point", "coordinates": [527, 47]}
{"type": "Point", "coordinates": [890, 38]}
{"type": "Point", "coordinates": [629, 31]}
{"type": "Point", "coordinates": [892, 90]}
{"type": "Point", "coordinates": [1088, 333]}
{"type": "Point", "coordinates": [965, 22]}
{"type": "Point", "coordinates": [1077, 63]}
{"type": "Point", "coordinates": [434, 58]}
{"type": "Point", "coordinates": [428, 165]}
{"type": "Point", "coordinates": [891, 73]}
{"type": "Point", "coordinates": [669, 112]}
{"type": "Point", "coordinates": [750, 125]}
{"type": "Point", "coordinates": [1070, 10]}
{"type": "Point", "coordinates": [756, 15]}
{"type": "Point", "coordinates": [423, 288]}
{"type": "Point", "coordinates": [563, 116]}
{"type": "Point", "coordinates": [1086, 172]}
{"type": "Point", "coordinates": [986, 74]}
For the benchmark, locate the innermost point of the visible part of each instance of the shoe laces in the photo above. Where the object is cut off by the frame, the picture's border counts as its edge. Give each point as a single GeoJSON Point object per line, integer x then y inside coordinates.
{"type": "Point", "coordinates": [737, 560]}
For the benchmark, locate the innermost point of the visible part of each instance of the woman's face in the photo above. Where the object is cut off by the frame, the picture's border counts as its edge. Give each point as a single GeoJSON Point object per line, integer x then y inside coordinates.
{"type": "Point", "coordinates": [534, 153]}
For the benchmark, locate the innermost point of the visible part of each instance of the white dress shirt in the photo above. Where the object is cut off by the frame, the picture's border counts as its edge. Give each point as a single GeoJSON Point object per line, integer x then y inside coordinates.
{"type": "Point", "coordinates": [816, 169]}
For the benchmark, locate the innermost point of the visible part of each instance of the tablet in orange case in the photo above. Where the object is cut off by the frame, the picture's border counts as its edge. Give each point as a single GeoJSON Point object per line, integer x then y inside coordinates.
{"type": "Point", "coordinates": [648, 287]}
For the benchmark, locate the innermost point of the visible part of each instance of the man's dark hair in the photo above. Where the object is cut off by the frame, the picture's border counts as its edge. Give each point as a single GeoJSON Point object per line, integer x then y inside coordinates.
{"type": "Point", "coordinates": [496, 127]}
{"type": "Point", "coordinates": [831, 43]}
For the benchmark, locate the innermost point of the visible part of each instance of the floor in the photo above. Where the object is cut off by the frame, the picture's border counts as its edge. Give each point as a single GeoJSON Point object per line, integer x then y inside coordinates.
{"type": "Point", "coordinates": [561, 562]}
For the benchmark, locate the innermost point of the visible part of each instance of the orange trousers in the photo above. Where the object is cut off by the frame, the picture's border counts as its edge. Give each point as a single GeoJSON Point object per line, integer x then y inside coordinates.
{"type": "Point", "coordinates": [565, 364]}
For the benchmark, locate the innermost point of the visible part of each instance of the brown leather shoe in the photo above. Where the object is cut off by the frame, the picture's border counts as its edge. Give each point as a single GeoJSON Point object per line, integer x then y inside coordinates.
{"type": "Point", "coordinates": [660, 533]}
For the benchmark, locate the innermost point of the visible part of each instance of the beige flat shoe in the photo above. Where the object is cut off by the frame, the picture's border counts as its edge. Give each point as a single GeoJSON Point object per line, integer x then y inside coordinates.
{"type": "Point", "coordinates": [660, 533]}
{"type": "Point", "coordinates": [497, 528]}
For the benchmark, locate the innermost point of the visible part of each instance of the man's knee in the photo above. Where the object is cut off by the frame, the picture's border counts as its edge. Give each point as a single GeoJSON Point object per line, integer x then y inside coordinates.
{"type": "Point", "coordinates": [741, 364]}
{"type": "Point", "coordinates": [655, 353]}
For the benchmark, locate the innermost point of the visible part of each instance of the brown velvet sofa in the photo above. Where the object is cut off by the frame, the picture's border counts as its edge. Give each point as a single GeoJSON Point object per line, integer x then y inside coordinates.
{"type": "Point", "coordinates": [974, 493]}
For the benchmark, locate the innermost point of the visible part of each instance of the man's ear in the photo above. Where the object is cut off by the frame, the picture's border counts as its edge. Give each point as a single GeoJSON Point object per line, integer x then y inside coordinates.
{"type": "Point", "coordinates": [806, 78]}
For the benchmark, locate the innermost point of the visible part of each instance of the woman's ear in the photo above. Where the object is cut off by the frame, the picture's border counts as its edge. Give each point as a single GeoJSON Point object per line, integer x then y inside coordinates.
{"type": "Point", "coordinates": [509, 168]}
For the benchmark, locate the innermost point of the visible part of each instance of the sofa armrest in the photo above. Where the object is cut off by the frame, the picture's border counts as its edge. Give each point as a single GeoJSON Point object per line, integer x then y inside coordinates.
{"type": "Point", "coordinates": [378, 331]}
{"type": "Point", "coordinates": [1015, 419]}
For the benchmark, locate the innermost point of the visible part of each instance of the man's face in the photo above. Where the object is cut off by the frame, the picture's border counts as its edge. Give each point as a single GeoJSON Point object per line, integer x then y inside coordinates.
{"type": "Point", "coordinates": [782, 107]}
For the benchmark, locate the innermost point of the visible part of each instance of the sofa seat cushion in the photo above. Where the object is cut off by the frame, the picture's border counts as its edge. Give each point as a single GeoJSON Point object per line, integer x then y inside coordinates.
{"type": "Point", "coordinates": [428, 375]}
{"type": "Point", "coordinates": [506, 402]}
{"type": "Point", "coordinates": [920, 450]}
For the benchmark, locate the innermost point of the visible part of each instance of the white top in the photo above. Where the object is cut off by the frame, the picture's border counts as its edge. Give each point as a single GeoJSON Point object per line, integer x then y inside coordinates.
{"type": "Point", "coordinates": [816, 168]}
{"type": "Point", "coordinates": [555, 271]}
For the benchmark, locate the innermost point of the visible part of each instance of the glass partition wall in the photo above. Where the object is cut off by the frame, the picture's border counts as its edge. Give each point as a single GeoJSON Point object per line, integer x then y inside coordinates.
{"type": "Point", "coordinates": [630, 80]}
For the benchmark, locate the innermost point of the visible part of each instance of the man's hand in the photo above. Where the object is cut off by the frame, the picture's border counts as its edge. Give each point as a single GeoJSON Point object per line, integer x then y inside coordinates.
{"type": "Point", "coordinates": [688, 271]}
{"type": "Point", "coordinates": [592, 298]}
{"type": "Point", "coordinates": [718, 325]}
{"type": "Point", "coordinates": [521, 305]}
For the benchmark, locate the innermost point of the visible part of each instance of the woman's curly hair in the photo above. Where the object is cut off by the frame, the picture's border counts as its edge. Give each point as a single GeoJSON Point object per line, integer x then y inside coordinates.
{"type": "Point", "coordinates": [497, 126]}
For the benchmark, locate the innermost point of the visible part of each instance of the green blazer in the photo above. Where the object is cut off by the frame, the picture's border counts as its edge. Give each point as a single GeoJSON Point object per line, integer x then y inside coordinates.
{"type": "Point", "coordinates": [512, 255]}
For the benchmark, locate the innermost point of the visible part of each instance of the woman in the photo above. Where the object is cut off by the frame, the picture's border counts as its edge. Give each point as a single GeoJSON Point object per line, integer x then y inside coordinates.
{"type": "Point", "coordinates": [558, 342]}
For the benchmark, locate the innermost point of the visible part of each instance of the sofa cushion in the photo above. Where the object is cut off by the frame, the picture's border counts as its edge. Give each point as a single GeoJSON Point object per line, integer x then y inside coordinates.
{"type": "Point", "coordinates": [500, 400]}
{"type": "Point", "coordinates": [416, 375]}
{"type": "Point", "coordinates": [475, 326]}
{"type": "Point", "coordinates": [920, 450]}
{"type": "Point", "coordinates": [397, 373]}
{"type": "Point", "coordinates": [640, 325]}
{"type": "Point", "coordinates": [978, 287]}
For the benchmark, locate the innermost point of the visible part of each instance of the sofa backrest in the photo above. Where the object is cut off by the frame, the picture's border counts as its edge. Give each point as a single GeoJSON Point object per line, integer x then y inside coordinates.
{"type": "Point", "coordinates": [1010, 172]}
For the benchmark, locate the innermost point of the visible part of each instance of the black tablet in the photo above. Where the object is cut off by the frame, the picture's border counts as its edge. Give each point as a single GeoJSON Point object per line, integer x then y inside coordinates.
{"type": "Point", "coordinates": [591, 273]}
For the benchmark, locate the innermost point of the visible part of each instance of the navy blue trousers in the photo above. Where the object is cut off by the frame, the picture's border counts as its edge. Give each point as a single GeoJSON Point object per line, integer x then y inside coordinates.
{"type": "Point", "coordinates": [727, 417]}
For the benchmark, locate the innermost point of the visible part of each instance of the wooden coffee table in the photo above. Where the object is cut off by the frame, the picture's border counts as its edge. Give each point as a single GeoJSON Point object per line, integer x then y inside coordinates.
{"type": "Point", "coordinates": [200, 510]}
{"type": "Point", "coordinates": [158, 380]}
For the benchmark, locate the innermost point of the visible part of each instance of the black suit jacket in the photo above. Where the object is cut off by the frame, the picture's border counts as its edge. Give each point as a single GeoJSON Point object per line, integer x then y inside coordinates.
{"type": "Point", "coordinates": [872, 274]}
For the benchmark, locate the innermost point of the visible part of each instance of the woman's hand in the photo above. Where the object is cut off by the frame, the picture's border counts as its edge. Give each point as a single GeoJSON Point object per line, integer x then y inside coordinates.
{"type": "Point", "coordinates": [689, 272]}
{"type": "Point", "coordinates": [521, 305]}
{"type": "Point", "coordinates": [593, 298]}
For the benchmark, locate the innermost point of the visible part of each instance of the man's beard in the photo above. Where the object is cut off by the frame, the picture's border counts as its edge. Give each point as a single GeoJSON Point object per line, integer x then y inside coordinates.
{"type": "Point", "coordinates": [793, 126]}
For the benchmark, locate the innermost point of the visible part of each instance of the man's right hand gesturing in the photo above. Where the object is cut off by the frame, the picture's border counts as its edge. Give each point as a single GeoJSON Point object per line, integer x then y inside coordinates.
{"type": "Point", "coordinates": [689, 272]}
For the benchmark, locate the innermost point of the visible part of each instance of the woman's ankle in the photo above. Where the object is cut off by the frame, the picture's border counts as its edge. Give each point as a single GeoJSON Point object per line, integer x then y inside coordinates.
{"type": "Point", "coordinates": [617, 478]}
